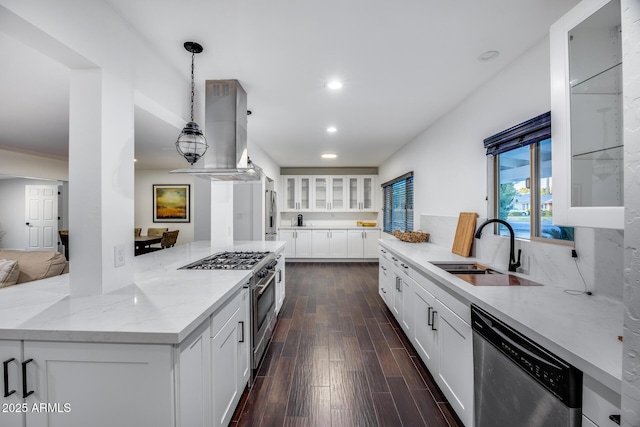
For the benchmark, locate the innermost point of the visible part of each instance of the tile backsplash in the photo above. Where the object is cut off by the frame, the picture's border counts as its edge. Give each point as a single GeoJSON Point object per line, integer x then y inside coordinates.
{"type": "Point", "coordinates": [599, 261]}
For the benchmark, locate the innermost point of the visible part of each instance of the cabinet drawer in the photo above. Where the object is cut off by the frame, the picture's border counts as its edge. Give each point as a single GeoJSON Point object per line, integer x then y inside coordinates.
{"type": "Point", "coordinates": [226, 312]}
{"type": "Point", "coordinates": [599, 403]}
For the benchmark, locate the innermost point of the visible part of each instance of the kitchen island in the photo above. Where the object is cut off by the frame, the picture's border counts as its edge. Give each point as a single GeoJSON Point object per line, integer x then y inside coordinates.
{"type": "Point", "coordinates": [581, 329]}
{"type": "Point", "coordinates": [146, 354]}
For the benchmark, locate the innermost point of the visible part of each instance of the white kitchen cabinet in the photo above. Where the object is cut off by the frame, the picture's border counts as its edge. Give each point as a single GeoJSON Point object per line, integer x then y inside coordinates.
{"type": "Point", "coordinates": [280, 280]}
{"type": "Point", "coordinates": [297, 193]}
{"type": "Point", "coordinates": [244, 343]}
{"type": "Point", "coordinates": [109, 384]}
{"type": "Point", "coordinates": [424, 331]}
{"type": "Point", "coordinates": [229, 357]}
{"type": "Point", "coordinates": [338, 198]}
{"type": "Point", "coordinates": [298, 242]}
{"type": "Point", "coordinates": [193, 379]}
{"type": "Point", "coordinates": [11, 357]}
{"type": "Point", "coordinates": [438, 325]}
{"type": "Point", "coordinates": [328, 243]}
{"type": "Point", "coordinates": [455, 360]}
{"type": "Point", "coordinates": [385, 280]}
{"type": "Point", "coordinates": [586, 114]}
{"type": "Point", "coordinates": [363, 243]}
{"type": "Point", "coordinates": [360, 193]}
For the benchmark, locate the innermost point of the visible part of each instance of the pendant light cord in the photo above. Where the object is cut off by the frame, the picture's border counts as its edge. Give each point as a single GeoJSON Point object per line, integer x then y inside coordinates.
{"type": "Point", "coordinates": [193, 55]}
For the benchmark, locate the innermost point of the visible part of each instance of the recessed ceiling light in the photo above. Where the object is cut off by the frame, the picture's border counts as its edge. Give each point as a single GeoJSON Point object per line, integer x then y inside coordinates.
{"type": "Point", "coordinates": [332, 129]}
{"type": "Point", "coordinates": [334, 85]}
{"type": "Point", "coordinates": [488, 55]}
{"type": "Point", "coordinates": [329, 156]}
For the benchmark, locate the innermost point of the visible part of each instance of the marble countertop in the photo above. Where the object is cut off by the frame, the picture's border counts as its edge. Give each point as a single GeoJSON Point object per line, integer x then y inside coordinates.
{"type": "Point", "coordinates": [581, 329]}
{"type": "Point", "coordinates": [327, 227]}
{"type": "Point", "coordinates": [163, 305]}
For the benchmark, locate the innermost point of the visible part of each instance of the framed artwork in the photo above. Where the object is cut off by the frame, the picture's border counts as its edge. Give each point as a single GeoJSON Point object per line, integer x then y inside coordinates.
{"type": "Point", "coordinates": [171, 203]}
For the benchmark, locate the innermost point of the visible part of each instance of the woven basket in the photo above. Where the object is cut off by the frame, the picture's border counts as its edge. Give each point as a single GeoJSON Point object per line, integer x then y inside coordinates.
{"type": "Point", "coordinates": [411, 236]}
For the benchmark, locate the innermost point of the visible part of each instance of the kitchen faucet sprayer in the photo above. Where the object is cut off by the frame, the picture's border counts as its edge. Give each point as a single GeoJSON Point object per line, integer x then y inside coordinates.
{"type": "Point", "coordinates": [513, 264]}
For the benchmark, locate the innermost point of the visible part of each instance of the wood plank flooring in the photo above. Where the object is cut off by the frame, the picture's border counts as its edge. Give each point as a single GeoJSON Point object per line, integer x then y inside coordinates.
{"type": "Point", "coordinates": [339, 358]}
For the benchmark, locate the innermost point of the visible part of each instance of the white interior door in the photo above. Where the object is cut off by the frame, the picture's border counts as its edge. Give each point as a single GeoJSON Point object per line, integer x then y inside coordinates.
{"type": "Point", "coordinates": [41, 215]}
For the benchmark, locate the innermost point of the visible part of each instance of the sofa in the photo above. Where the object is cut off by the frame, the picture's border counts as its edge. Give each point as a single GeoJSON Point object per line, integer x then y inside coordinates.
{"type": "Point", "coordinates": [18, 266]}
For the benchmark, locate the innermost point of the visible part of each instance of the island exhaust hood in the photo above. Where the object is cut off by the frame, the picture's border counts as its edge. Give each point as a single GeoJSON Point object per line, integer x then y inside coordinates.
{"type": "Point", "coordinates": [226, 131]}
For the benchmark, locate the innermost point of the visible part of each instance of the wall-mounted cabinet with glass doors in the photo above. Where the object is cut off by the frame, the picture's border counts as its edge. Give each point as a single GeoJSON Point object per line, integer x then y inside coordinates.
{"type": "Point", "coordinates": [329, 193]}
{"type": "Point", "coordinates": [586, 113]}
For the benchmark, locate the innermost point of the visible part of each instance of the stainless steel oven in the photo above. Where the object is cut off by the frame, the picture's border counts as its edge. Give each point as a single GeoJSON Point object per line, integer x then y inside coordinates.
{"type": "Point", "coordinates": [263, 306]}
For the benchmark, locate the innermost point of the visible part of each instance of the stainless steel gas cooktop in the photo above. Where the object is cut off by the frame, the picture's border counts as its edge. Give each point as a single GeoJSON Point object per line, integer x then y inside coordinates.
{"type": "Point", "coordinates": [229, 261]}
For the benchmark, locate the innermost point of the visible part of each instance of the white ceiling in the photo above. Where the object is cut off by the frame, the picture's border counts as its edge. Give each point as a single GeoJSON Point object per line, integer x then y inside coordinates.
{"type": "Point", "coordinates": [404, 64]}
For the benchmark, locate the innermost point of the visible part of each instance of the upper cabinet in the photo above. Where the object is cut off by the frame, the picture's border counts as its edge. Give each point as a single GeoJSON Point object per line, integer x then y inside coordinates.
{"type": "Point", "coordinates": [333, 193]}
{"type": "Point", "coordinates": [586, 116]}
{"type": "Point", "coordinates": [297, 193]}
{"type": "Point", "coordinates": [361, 194]}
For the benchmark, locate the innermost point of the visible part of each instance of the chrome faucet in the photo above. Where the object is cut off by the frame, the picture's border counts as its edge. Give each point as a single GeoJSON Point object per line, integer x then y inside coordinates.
{"type": "Point", "coordinates": [513, 264]}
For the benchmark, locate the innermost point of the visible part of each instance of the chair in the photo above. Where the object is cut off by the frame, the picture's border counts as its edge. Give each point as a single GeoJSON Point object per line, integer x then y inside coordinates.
{"type": "Point", "coordinates": [156, 232]}
{"type": "Point", "coordinates": [169, 239]}
{"type": "Point", "coordinates": [64, 238]}
{"type": "Point", "coordinates": [136, 232]}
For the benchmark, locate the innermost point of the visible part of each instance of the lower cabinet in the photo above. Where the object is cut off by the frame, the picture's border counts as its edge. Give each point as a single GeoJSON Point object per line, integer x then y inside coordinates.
{"type": "Point", "coordinates": [385, 279]}
{"type": "Point", "coordinates": [79, 384]}
{"type": "Point", "coordinates": [230, 364]}
{"type": "Point", "coordinates": [329, 244]}
{"type": "Point", "coordinates": [298, 243]}
{"type": "Point", "coordinates": [363, 243]}
{"type": "Point", "coordinates": [434, 321]}
{"type": "Point", "coordinates": [197, 383]}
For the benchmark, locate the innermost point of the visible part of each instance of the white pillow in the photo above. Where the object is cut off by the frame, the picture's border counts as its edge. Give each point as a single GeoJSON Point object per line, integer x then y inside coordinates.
{"type": "Point", "coordinates": [9, 271]}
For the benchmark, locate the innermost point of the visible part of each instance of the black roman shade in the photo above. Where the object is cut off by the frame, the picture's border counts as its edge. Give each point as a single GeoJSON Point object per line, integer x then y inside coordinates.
{"type": "Point", "coordinates": [526, 133]}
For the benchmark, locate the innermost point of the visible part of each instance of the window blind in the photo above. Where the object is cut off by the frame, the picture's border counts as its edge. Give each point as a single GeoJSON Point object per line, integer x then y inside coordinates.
{"type": "Point", "coordinates": [398, 204]}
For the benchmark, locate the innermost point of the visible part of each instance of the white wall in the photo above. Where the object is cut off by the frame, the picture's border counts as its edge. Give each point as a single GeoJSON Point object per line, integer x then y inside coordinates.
{"type": "Point", "coordinates": [459, 184]}
{"type": "Point", "coordinates": [450, 168]}
{"type": "Point", "coordinates": [143, 218]}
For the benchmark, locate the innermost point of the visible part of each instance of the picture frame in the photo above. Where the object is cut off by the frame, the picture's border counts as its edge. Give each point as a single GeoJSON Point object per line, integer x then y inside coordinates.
{"type": "Point", "coordinates": [171, 203]}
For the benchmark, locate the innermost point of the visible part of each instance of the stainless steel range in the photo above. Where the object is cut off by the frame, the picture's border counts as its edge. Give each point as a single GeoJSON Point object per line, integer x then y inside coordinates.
{"type": "Point", "coordinates": [263, 291]}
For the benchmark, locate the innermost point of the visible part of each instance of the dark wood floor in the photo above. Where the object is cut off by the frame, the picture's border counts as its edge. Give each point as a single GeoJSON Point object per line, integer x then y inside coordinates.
{"type": "Point", "coordinates": [339, 358]}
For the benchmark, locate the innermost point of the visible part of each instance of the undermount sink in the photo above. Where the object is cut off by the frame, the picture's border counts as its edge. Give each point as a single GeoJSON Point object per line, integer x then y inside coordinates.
{"type": "Point", "coordinates": [465, 268]}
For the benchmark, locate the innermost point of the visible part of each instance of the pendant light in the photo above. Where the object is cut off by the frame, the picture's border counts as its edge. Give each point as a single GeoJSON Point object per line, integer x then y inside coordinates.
{"type": "Point", "coordinates": [191, 143]}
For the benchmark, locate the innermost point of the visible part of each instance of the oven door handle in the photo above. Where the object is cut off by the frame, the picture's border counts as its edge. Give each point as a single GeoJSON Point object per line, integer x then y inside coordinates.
{"type": "Point", "coordinates": [260, 289]}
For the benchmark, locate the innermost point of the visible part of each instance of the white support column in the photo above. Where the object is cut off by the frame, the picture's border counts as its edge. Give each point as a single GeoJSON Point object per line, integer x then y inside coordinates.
{"type": "Point", "coordinates": [631, 292]}
{"type": "Point", "coordinates": [101, 181]}
{"type": "Point", "coordinates": [221, 213]}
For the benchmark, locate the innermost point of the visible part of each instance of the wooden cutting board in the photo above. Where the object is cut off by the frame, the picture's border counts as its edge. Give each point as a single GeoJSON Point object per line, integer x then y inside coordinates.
{"type": "Point", "coordinates": [464, 234]}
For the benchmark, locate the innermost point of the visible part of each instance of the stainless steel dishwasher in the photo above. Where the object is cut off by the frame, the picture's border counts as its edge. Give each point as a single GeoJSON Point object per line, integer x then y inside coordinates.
{"type": "Point", "coordinates": [519, 383]}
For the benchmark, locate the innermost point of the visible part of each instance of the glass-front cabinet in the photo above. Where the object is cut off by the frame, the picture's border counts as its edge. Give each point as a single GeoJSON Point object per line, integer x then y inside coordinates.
{"type": "Point", "coordinates": [361, 194]}
{"type": "Point", "coordinates": [586, 114]}
{"type": "Point", "coordinates": [338, 193]}
{"type": "Point", "coordinates": [297, 193]}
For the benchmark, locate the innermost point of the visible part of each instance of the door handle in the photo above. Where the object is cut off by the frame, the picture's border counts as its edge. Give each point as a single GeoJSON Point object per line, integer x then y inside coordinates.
{"type": "Point", "coordinates": [25, 393]}
{"type": "Point", "coordinates": [433, 320]}
{"type": "Point", "coordinates": [5, 364]}
{"type": "Point", "coordinates": [241, 322]}
{"type": "Point", "coordinates": [28, 224]}
{"type": "Point", "coordinates": [429, 310]}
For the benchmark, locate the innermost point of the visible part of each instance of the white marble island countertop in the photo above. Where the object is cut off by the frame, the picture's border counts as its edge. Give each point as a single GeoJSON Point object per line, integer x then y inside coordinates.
{"type": "Point", "coordinates": [163, 305]}
{"type": "Point", "coordinates": [581, 329]}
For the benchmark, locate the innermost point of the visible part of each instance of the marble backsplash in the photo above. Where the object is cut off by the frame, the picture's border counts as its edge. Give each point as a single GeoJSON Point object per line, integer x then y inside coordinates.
{"type": "Point", "coordinates": [599, 261]}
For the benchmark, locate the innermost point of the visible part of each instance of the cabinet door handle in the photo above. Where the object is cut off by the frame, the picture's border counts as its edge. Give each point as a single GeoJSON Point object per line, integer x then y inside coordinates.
{"type": "Point", "coordinates": [241, 322]}
{"type": "Point", "coordinates": [383, 267]}
{"type": "Point", "coordinates": [429, 322]}
{"type": "Point", "coordinates": [279, 276]}
{"type": "Point", "coordinates": [433, 320]}
{"type": "Point", "coordinates": [394, 258]}
{"type": "Point", "coordinates": [25, 393]}
{"type": "Point", "coordinates": [383, 251]}
{"type": "Point", "coordinates": [615, 418]}
{"type": "Point", "coordinates": [5, 364]}
{"type": "Point", "coordinates": [404, 265]}
{"type": "Point", "coordinates": [384, 290]}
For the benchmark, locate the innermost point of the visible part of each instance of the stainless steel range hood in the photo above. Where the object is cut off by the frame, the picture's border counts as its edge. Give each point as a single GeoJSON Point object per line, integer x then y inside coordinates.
{"type": "Point", "coordinates": [226, 133]}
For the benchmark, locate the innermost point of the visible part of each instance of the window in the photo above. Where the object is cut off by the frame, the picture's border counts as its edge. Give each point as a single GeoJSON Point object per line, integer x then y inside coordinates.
{"type": "Point", "coordinates": [523, 190]}
{"type": "Point", "coordinates": [398, 204]}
